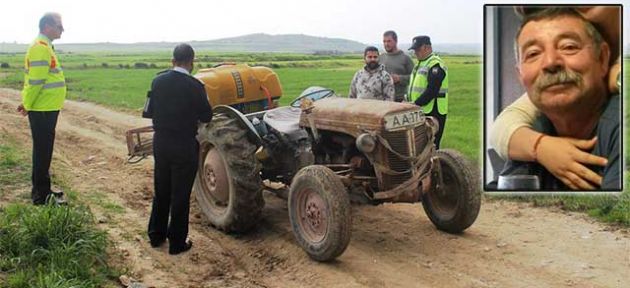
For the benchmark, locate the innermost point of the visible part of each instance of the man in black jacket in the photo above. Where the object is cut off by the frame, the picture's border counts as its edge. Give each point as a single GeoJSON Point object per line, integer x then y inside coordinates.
{"type": "Point", "coordinates": [177, 102]}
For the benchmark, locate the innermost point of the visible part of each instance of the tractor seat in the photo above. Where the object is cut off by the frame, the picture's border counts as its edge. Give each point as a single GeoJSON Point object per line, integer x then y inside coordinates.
{"type": "Point", "coordinates": [284, 119]}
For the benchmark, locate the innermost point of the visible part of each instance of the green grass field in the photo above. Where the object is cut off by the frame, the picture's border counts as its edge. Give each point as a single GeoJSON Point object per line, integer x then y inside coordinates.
{"type": "Point", "coordinates": [125, 88]}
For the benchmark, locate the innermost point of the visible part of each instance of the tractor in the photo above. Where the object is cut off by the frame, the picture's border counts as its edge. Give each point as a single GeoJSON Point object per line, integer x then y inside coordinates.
{"type": "Point", "coordinates": [330, 151]}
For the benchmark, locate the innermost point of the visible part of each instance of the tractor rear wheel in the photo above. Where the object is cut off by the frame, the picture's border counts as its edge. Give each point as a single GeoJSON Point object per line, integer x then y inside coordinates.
{"type": "Point", "coordinates": [319, 211]}
{"type": "Point", "coordinates": [454, 206]}
{"type": "Point", "coordinates": [228, 187]}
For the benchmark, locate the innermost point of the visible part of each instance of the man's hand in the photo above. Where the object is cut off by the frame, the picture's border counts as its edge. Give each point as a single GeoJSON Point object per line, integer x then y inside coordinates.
{"type": "Point", "coordinates": [607, 20]}
{"type": "Point", "coordinates": [22, 110]}
{"type": "Point", "coordinates": [566, 158]}
{"type": "Point", "coordinates": [396, 78]}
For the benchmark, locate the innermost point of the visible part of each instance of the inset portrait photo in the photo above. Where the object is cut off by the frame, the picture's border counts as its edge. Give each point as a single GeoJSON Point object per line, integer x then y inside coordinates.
{"type": "Point", "coordinates": [552, 103]}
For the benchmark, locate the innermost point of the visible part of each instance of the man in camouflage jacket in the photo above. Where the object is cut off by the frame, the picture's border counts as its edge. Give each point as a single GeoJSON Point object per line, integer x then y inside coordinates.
{"type": "Point", "coordinates": [372, 81]}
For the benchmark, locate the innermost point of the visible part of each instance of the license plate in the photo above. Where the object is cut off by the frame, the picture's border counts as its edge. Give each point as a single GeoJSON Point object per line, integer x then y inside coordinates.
{"type": "Point", "coordinates": [403, 120]}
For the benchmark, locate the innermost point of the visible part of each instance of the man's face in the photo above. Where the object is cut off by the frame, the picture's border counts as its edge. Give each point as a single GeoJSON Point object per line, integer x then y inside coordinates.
{"type": "Point", "coordinates": [389, 44]}
{"type": "Point", "coordinates": [558, 64]}
{"type": "Point", "coordinates": [55, 30]}
{"type": "Point", "coordinates": [422, 52]}
{"type": "Point", "coordinates": [371, 59]}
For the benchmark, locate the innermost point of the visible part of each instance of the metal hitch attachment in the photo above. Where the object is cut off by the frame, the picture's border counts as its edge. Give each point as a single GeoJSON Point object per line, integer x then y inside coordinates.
{"type": "Point", "coordinates": [139, 143]}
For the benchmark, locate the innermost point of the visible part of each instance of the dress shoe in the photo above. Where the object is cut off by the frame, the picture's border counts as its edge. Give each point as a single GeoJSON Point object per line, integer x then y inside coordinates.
{"type": "Point", "coordinates": [174, 250]}
{"type": "Point", "coordinates": [58, 198]}
{"type": "Point", "coordinates": [155, 243]}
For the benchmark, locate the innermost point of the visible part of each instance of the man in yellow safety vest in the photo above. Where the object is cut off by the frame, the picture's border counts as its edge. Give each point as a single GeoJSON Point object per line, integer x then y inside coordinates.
{"type": "Point", "coordinates": [42, 98]}
{"type": "Point", "coordinates": [429, 83]}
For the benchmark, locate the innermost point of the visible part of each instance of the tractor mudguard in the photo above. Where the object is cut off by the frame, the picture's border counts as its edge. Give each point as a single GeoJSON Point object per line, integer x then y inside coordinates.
{"type": "Point", "coordinates": [252, 134]}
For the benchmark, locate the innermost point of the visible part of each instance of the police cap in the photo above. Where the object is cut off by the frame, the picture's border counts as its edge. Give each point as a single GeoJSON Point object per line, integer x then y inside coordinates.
{"type": "Point", "coordinates": [418, 41]}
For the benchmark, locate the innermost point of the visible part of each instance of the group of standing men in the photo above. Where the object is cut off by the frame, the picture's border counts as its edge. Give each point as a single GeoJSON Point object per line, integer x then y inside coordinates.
{"type": "Point", "coordinates": [177, 102]}
{"type": "Point", "coordinates": [393, 76]}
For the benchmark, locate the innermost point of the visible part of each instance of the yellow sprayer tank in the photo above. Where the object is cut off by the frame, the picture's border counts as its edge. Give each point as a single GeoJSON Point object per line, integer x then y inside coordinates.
{"type": "Point", "coordinates": [248, 89]}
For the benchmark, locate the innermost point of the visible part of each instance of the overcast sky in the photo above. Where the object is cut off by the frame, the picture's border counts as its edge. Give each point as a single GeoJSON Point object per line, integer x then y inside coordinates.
{"type": "Point", "coordinates": [128, 21]}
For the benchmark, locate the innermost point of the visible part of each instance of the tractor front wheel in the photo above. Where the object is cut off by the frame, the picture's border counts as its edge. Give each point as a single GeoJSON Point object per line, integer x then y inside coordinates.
{"type": "Point", "coordinates": [453, 203]}
{"type": "Point", "coordinates": [319, 211]}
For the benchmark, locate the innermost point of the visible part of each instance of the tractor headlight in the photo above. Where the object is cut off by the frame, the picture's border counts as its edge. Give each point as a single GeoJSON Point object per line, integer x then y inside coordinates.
{"type": "Point", "coordinates": [366, 143]}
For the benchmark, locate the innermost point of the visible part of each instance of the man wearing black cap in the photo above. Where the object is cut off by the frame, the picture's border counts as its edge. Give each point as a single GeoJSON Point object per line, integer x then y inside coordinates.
{"type": "Point", "coordinates": [428, 87]}
{"type": "Point", "coordinates": [177, 102]}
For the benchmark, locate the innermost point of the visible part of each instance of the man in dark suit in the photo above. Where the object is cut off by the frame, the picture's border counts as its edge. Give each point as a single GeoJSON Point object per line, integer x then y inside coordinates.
{"type": "Point", "coordinates": [177, 102]}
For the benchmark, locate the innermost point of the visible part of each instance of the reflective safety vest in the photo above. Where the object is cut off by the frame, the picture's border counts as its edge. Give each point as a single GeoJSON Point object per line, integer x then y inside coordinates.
{"type": "Point", "coordinates": [419, 81]}
{"type": "Point", "coordinates": [44, 83]}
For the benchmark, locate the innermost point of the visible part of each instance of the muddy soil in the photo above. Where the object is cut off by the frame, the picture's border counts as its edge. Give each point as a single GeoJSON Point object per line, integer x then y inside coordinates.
{"type": "Point", "coordinates": [510, 245]}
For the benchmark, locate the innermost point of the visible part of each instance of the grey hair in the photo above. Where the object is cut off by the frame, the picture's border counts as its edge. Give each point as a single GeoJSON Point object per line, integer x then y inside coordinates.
{"type": "Point", "coordinates": [555, 12]}
{"type": "Point", "coordinates": [48, 19]}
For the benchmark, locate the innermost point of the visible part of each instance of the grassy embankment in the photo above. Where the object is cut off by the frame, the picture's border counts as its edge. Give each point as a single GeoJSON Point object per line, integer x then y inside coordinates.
{"type": "Point", "coordinates": [45, 246]}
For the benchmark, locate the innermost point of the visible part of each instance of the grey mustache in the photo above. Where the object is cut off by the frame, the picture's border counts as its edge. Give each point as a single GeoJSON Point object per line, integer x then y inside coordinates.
{"type": "Point", "coordinates": [561, 77]}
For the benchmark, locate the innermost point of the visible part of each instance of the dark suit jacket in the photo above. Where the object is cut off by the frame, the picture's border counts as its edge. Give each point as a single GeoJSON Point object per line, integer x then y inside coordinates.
{"type": "Point", "coordinates": [177, 103]}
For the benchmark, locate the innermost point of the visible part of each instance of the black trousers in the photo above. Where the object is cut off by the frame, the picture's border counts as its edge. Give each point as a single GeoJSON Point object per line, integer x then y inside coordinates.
{"type": "Point", "coordinates": [175, 169]}
{"type": "Point", "coordinates": [442, 121]}
{"type": "Point", "coordinates": [43, 124]}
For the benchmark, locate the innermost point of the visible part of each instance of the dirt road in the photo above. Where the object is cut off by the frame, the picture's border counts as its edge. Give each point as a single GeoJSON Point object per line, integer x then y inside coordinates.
{"type": "Point", "coordinates": [510, 245]}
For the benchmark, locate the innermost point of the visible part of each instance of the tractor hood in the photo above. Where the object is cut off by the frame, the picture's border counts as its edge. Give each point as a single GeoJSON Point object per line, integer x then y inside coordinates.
{"type": "Point", "coordinates": [354, 116]}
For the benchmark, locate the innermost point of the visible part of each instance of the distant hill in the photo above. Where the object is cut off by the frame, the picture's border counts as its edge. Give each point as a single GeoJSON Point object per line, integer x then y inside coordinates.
{"type": "Point", "coordinates": [280, 43]}
{"type": "Point", "coordinates": [260, 42]}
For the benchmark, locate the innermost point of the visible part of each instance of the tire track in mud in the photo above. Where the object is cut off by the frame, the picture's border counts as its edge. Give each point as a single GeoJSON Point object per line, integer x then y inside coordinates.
{"type": "Point", "coordinates": [510, 245]}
